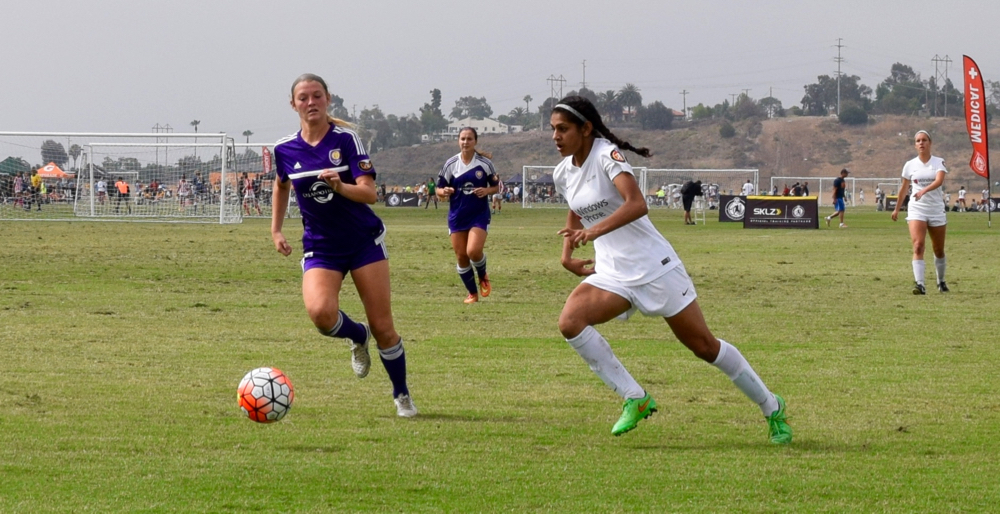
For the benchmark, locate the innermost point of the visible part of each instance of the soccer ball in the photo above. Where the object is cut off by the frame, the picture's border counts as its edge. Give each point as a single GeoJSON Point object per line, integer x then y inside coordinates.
{"type": "Point", "coordinates": [265, 395]}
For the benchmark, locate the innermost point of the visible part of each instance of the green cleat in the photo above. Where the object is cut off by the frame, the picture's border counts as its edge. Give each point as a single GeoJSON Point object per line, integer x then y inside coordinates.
{"type": "Point", "coordinates": [634, 410]}
{"type": "Point", "coordinates": [777, 427]}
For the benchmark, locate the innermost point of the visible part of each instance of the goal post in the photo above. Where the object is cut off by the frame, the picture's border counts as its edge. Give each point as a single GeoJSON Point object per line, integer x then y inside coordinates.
{"type": "Point", "coordinates": [171, 177]}
{"type": "Point", "coordinates": [714, 182]}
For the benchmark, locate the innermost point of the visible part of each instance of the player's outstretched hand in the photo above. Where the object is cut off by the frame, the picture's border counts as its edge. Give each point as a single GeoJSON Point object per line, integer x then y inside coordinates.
{"type": "Point", "coordinates": [580, 267]}
{"type": "Point", "coordinates": [280, 244]}
{"type": "Point", "coordinates": [576, 237]}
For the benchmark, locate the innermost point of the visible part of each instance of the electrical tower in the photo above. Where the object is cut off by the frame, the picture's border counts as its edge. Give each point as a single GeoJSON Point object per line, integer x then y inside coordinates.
{"type": "Point", "coordinates": [943, 79]}
{"type": "Point", "coordinates": [552, 86]}
{"type": "Point", "coordinates": [838, 60]}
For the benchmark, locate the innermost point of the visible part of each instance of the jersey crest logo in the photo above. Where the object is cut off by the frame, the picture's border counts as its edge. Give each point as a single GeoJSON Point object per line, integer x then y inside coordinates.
{"type": "Point", "coordinates": [616, 155]}
{"type": "Point", "coordinates": [335, 157]}
{"type": "Point", "coordinates": [365, 165]}
{"type": "Point", "coordinates": [479, 173]}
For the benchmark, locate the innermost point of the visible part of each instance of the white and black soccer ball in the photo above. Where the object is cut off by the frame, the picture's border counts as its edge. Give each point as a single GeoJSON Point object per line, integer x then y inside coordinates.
{"type": "Point", "coordinates": [265, 395]}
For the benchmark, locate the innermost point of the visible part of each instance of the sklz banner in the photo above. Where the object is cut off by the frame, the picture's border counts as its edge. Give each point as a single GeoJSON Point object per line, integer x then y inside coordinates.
{"type": "Point", "coordinates": [975, 118]}
{"type": "Point", "coordinates": [781, 212]}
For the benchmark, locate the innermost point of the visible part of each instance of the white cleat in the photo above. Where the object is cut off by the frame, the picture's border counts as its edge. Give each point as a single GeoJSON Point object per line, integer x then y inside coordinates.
{"type": "Point", "coordinates": [361, 362]}
{"type": "Point", "coordinates": [405, 407]}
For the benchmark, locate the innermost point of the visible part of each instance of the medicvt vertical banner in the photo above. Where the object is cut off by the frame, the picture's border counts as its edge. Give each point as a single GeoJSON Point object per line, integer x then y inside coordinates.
{"type": "Point", "coordinates": [975, 122]}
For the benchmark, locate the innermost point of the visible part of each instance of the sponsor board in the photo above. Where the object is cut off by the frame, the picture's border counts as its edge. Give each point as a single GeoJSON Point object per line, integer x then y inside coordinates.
{"type": "Point", "coordinates": [781, 212]}
{"type": "Point", "coordinates": [732, 208]}
{"type": "Point", "coordinates": [402, 200]}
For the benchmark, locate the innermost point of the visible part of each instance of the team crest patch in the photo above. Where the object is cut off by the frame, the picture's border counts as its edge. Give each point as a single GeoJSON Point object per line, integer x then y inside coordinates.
{"type": "Point", "coordinates": [479, 173]}
{"type": "Point", "coordinates": [365, 165]}
{"type": "Point", "coordinates": [336, 157]}
{"type": "Point", "coordinates": [616, 155]}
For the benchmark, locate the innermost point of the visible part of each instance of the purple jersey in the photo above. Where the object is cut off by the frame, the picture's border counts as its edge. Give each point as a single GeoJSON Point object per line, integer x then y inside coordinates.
{"type": "Point", "coordinates": [332, 224]}
{"type": "Point", "coordinates": [467, 210]}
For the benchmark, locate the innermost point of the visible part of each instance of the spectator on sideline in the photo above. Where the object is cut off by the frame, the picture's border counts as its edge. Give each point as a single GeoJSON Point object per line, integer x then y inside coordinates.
{"type": "Point", "coordinates": [839, 206]}
{"type": "Point", "coordinates": [688, 192]}
{"type": "Point", "coordinates": [786, 191]}
{"type": "Point", "coordinates": [341, 233]}
{"type": "Point", "coordinates": [636, 268]}
{"type": "Point", "coordinates": [249, 195]}
{"type": "Point", "coordinates": [431, 193]}
{"type": "Point", "coordinates": [748, 188]}
{"type": "Point", "coordinates": [20, 191]}
{"type": "Point", "coordinates": [961, 198]}
{"type": "Point", "coordinates": [805, 189]}
{"type": "Point", "coordinates": [184, 191]}
{"type": "Point", "coordinates": [36, 188]}
{"type": "Point", "coordinates": [926, 212]}
{"type": "Point", "coordinates": [497, 202]}
{"type": "Point", "coordinates": [469, 179]}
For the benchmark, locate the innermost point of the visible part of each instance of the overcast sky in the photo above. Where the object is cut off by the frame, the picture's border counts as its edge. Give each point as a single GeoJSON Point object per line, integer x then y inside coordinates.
{"type": "Point", "coordinates": [125, 66]}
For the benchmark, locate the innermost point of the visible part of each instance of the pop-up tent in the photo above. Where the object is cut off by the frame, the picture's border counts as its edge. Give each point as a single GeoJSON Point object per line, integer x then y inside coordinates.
{"type": "Point", "coordinates": [52, 170]}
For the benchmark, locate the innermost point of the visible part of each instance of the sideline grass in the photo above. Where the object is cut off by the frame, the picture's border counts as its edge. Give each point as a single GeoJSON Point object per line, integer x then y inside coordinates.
{"type": "Point", "coordinates": [123, 344]}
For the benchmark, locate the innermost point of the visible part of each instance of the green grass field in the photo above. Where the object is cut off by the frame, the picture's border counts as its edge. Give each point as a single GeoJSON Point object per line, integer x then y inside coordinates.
{"type": "Point", "coordinates": [123, 344]}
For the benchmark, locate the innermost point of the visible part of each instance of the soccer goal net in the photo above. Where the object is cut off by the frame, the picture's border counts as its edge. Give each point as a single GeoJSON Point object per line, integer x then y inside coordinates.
{"type": "Point", "coordinates": [857, 191]}
{"type": "Point", "coordinates": [130, 177]}
{"type": "Point", "coordinates": [255, 171]}
{"type": "Point", "coordinates": [662, 187]}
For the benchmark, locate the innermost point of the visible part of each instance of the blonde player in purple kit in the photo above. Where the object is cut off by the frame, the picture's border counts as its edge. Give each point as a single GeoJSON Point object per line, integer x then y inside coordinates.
{"type": "Point", "coordinates": [469, 179]}
{"type": "Point", "coordinates": [334, 182]}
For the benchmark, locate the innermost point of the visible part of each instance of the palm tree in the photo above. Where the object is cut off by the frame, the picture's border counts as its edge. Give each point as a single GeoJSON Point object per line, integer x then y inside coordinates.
{"type": "Point", "coordinates": [247, 133]}
{"type": "Point", "coordinates": [74, 152]}
{"type": "Point", "coordinates": [517, 114]}
{"type": "Point", "coordinates": [608, 103]}
{"type": "Point", "coordinates": [630, 98]}
{"type": "Point", "coordinates": [527, 102]}
{"type": "Point", "coordinates": [195, 124]}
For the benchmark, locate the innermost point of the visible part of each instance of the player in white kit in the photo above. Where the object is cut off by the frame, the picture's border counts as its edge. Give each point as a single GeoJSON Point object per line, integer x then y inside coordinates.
{"type": "Point", "coordinates": [635, 268]}
{"type": "Point", "coordinates": [925, 213]}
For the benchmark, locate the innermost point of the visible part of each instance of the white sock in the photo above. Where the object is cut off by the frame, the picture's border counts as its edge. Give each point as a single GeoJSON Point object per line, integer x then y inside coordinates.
{"type": "Point", "coordinates": [732, 363]}
{"type": "Point", "coordinates": [918, 271]}
{"type": "Point", "coordinates": [939, 267]}
{"type": "Point", "coordinates": [596, 351]}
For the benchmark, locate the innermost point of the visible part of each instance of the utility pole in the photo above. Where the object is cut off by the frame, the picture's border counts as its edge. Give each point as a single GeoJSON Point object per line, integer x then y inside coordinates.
{"type": "Point", "coordinates": [947, 61]}
{"type": "Point", "coordinates": [733, 95]}
{"type": "Point", "coordinates": [584, 74]}
{"type": "Point", "coordinates": [747, 92]}
{"type": "Point", "coordinates": [685, 95]}
{"type": "Point", "coordinates": [839, 60]}
{"type": "Point", "coordinates": [552, 85]}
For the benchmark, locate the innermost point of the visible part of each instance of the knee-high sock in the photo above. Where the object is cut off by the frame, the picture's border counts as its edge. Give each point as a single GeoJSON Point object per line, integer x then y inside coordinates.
{"type": "Point", "coordinates": [918, 270]}
{"type": "Point", "coordinates": [469, 279]}
{"type": "Point", "coordinates": [480, 266]}
{"type": "Point", "coordinates": [736, 367]}
{"type": "Point", "coordinates": [596, 351]}
{"type": "Point", "coordinates": [348, 329]}
{"type": "Point", "coordinates": [394, 360]}
{"type": "Point", "coordinates": [939, 266]}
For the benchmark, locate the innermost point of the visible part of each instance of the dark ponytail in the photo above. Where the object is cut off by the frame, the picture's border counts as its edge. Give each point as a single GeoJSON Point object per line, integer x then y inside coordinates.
{"type": "Point", "coordinates": [585, 108]}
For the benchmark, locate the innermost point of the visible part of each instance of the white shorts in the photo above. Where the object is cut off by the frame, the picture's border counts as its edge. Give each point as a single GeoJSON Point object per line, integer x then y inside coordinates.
{"type": "Point", "coordinates": [932, 220]}
{"type": "Point", "coordinates": [665, 296]}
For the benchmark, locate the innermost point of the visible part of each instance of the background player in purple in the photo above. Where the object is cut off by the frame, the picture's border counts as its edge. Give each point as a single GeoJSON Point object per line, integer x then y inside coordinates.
{"type": "Point", "coordinates": [334, 183]}
{"type": "Point", "coordinates": [469, 179]}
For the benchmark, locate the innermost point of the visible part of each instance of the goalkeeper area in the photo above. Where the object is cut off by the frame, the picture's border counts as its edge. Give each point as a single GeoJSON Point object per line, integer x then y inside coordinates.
{"type": "Point", "coordinates": [170, 177]}
{"type": "Point", "coordinates": [661, 187]}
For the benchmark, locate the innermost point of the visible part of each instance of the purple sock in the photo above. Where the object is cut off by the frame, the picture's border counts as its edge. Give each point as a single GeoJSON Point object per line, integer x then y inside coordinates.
{"type": "Point", "coordinates": [394, 360]}
{"type": "Point", "coordinates": [469, 279]}
{"type": "Point", "coordinates": [348, 329]}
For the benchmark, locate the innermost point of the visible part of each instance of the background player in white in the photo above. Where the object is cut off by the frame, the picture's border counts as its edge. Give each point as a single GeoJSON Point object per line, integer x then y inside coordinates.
{"type": "Point", "coordinates": [747, 189]}
{"type": "Point", "coordinates": [334, 183]}
{"type": "Point", "coordinates": [961, 199]}
{"type": "Point", "coordinates": [469, 179]}
{"type": "Point", "coordinates": [925, 214]}
{"type": "Point", "coordinates": [635, 268]}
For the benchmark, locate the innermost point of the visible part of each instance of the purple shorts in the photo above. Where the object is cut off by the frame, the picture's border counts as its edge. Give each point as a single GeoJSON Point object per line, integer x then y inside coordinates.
{"type": "Point", "coordinates": [373, 252]}
{"type": "Point", "coordinates": [482, 221]}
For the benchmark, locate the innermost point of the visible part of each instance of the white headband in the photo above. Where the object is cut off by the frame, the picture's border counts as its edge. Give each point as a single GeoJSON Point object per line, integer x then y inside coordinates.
{"type": "Point", "coordinates": [572, 110]}
{"type": "Point", "coordinates": [924, 132]}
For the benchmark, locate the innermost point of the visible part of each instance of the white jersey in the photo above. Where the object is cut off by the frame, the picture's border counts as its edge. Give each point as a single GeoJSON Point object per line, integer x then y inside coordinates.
{"type": "Point", "coordinates": [748, 189]}
{"type": "Point", "coordinates": [634, 254]}
{"type": "Point", "coordinates": [961, 194]}
{"type": "Point", "coordinates": [921, 175]}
